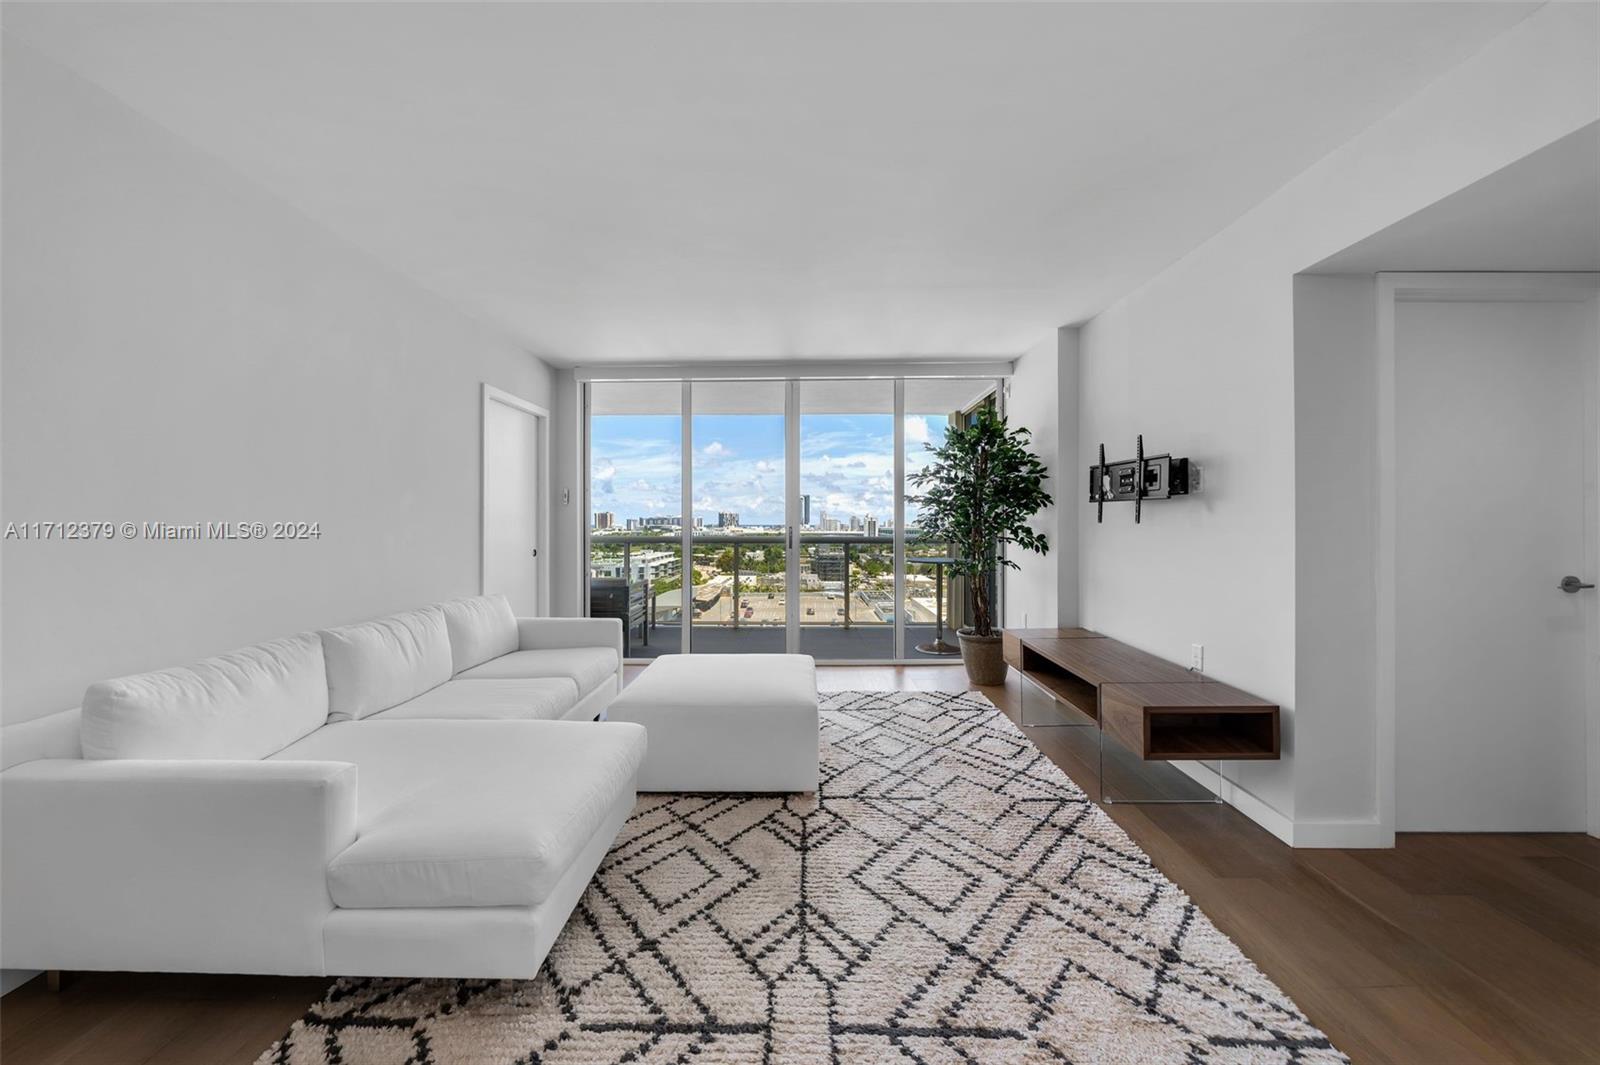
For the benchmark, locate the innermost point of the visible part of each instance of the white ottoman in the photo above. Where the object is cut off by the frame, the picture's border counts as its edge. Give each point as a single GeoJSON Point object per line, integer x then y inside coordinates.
{"type": "Point", "coordinates": [725, 722]}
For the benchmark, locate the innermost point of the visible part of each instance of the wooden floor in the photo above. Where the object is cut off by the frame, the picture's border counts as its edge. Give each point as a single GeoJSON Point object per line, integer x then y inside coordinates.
{"type": "Point", "coordinates": [1448, 949]}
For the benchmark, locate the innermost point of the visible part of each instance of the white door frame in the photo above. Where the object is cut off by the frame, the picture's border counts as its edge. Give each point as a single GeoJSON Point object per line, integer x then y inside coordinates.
{"type": "Point", "coordinates": [1477, 287]}
{"type": "Point", "coordinates": [492, 394]}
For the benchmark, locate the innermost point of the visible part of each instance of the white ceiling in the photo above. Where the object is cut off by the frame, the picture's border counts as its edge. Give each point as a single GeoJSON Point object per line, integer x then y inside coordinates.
{"type": "Point", "coordinates": [1540, 213]}
{"type": "Point", "coordinates": [620, 183]}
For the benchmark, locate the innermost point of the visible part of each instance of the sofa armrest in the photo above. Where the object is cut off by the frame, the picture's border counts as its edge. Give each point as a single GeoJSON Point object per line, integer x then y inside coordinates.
{"type": "Point", "coordinates": [189, 866]}
{"type": "Point", "coordinates": [537, 634]}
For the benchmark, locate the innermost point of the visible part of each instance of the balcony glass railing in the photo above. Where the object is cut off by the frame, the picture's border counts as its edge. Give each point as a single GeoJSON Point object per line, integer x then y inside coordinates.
{"type": "Point", "coordinates": [736, 598]}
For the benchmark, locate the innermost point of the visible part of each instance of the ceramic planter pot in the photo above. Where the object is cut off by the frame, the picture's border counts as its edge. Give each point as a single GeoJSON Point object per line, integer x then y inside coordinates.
{"type": "Point", "coordinates": [983, 656]}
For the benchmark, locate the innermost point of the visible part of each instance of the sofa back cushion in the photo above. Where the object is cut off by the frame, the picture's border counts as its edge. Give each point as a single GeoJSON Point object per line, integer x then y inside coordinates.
{"type": "Point", "coordinates": [378, 664]}
{"type": "Point", "coordinates": [248, 703]}
{"type": "Point", "coordinates": [481, 627]}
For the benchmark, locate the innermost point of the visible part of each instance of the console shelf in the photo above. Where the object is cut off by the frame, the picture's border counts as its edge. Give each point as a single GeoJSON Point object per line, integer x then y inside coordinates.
{"type": "Point", "coordinates": [1040, 656]}
{"type": "Point", "coordinates": [1157, 710]}
{"type": "Point", "coordinates": [1189, 722]}
{"type": "Point", "coordinates": [1067, 688]}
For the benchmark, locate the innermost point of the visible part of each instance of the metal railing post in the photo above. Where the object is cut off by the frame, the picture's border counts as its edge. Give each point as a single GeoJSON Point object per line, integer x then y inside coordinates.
{"type": "Point", "coordinates": [736, 546]}
{"type": "Point", "coordinates": [847, 586]}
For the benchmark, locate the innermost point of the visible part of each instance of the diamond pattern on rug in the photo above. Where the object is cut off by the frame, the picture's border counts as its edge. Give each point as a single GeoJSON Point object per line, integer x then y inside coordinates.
{"type": "Point", "coordinates": [948, 896]}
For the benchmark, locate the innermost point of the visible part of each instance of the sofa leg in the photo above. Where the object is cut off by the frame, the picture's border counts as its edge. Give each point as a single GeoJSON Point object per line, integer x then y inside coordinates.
{"type": "Point", "coordinates": [52, 979]}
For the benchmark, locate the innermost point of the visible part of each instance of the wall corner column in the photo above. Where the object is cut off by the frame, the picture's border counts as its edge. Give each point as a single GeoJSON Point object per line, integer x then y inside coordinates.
{"type": "Point", "coordinates": [1069, 476]}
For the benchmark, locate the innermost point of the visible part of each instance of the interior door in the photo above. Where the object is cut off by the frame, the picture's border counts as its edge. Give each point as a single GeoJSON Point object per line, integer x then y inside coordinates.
{"type": "Point", "coordinates": [512, 491]}
{"type": "Point", "coordinates": [1495, 466]}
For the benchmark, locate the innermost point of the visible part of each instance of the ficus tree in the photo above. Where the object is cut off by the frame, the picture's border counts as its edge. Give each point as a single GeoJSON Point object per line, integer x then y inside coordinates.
{"type": "Point", "coordinates": [977, 494]}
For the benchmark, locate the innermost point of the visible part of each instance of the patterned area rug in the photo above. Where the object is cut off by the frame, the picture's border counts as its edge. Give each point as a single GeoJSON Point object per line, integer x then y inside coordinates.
{"type": "Point", "coordinates": [952, 897]}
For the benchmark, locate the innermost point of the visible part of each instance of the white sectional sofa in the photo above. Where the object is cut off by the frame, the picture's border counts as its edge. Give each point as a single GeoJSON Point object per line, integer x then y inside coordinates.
{"type": "Point", "coordinates": [426, 794]}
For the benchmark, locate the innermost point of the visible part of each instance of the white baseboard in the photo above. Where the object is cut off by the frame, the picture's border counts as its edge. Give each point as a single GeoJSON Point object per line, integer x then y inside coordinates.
{"type": "Point", "coordinates": [1352, 834]}
{"type": "Point", "coordinates": [11, 979]}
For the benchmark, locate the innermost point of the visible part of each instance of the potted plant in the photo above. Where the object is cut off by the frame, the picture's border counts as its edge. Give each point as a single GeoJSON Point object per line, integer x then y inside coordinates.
{"type": "Point", "coordinates": [977, 495]}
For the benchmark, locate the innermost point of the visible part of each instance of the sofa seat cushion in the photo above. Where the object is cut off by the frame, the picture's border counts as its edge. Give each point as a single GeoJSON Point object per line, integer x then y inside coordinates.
{"type": "Point", "coordinates": [471, 813]}
{"type": "Point", "coordinates": [244, 704]}
{"type": "Point", "coordinates": [503, 699]}
{"type": "Point", "coordinates": [588, 667]}
{"type": "Point", "coordinates": [481, 627]}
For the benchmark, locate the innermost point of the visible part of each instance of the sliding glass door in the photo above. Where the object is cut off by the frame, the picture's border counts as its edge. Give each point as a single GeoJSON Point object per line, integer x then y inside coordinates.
{"type": "Point", "coordinates": [846, 532]}
{"type": "Point", "coordinates": [635, 491]}
{"type": "Point", "coordinates": [735, 516]}
{"type": "Point", "coordinates": [738, 533]}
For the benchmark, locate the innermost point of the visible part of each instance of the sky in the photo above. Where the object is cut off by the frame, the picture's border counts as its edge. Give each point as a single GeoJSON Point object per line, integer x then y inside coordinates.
{"type": "Point", "coordinates": [846, 464]}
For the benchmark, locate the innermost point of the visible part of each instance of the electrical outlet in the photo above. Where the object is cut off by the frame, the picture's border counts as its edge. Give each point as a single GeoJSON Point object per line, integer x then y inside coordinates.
{"type": "Point", "coordinates": [1197, 657]}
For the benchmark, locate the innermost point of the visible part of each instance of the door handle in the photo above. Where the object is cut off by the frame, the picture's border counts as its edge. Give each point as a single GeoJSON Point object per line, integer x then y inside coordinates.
{"type": "Point", "coordinates": [1571, 585]}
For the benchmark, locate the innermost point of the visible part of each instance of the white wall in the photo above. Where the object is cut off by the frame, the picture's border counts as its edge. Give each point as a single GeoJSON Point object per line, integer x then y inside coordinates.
{"type": "Point", "coordinates": [1042, 398]}
{"type": "Point", "coordinates": [1201, 360]}
{"type": "Point", "coordinates": [567, 516]}
{"type": "Point", "coordinates": [179, 346]}
{"type": "Point", "coordinates": [1072, 480]}
{"type": "Point", "coordinates": [1336, 543]}
{"type": "Point", "coordinates": [1030, 592]}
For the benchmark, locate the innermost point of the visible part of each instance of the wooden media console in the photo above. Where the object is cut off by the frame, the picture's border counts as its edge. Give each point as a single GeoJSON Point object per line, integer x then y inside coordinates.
{"type": "Point", "coordinates": [1156, 709]}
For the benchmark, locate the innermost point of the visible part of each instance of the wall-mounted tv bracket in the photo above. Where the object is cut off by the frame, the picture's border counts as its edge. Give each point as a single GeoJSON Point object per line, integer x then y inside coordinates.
{"type": "Point", "coordinates": [1094, 492]}
{"type": "Point", "coordinates": [1138, 479]}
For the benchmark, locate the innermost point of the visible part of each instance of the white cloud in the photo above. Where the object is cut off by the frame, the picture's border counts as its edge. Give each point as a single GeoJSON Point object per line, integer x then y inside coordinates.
{"type": "Point", "coordinates": [605, 472]}
{"type": "Point", "coordinates": [716, 450]}
{"type": "Point", "coordinates": [916, 430]}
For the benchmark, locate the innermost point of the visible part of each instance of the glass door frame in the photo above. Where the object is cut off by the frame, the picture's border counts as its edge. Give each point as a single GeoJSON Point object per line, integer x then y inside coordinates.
{"type": "Point", "coordinates": [999, 375]}
{"type": "Point", "coordinates": [791, 514]}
